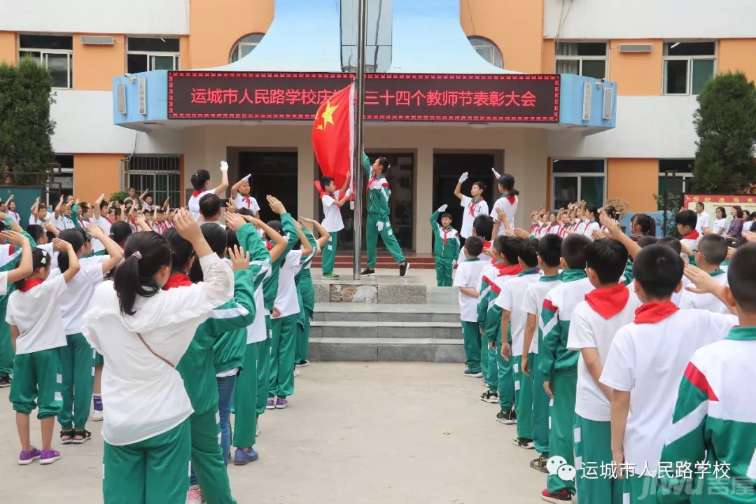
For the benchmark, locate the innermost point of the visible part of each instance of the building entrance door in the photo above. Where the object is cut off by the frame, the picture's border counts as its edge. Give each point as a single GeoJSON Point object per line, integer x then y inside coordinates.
{"type": "Point", "coordinates": [273, 173]}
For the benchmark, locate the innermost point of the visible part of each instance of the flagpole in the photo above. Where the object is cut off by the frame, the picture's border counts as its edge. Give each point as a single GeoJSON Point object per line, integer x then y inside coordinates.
{"type": "Point", "coordinates": [359, 85]}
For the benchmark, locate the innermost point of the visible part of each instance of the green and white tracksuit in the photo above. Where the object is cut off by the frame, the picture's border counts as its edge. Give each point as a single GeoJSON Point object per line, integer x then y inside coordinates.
{"type": "Point", "coordinates": [378, 223]}
{"type": "Point", "coordinates": [558, 365]}
{"type": "Point", "coordinates": [490, 326]}
{"type": "Point", "coordinates": [10, 261]}
{"type": "Point", "coordinates": [198, 372]}
{"type": "Point", "coordinates": [306, 295]}
{"type": "Point", "coordinates": [714, 420]}
{"type": "Point", "coordinates": [445, 250]}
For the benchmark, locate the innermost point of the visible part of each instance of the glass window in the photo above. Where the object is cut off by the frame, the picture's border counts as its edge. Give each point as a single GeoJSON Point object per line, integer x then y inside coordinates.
{"type": "Point", "coordinates": [152, 53]}
{"type": "Point", "coordinates": [581, 58]}
{"type": "Point", "coordinates": [578, 180]}
{"type": "Point", "coordinates": [487, 50]}
{"type": "Point", "coordinates": [160, 175]}
{"type": "Point", "coordinates": [244, 46]}
{"type": "Point", "coordinates": [52, 52]}
{"type": "Point", "coordinates": [688, 66]}
{"type": "Point", "coordinates": [675, 179]}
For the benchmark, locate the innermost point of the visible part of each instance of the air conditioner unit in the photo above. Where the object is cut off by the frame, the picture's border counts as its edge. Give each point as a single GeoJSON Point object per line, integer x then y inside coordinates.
{"type": "Point", "coordinates": [607, 110]}
{"type": "Point", "coordinates": [122, 98]}
{"type": "Point", "coordinates": [635, 48]}
{"type": "Point", "coordinates": [99, 40]}
{"type": "Point", "coordinates": [587, 95]}
{"type": "Point", "coordinates": [142, 94]}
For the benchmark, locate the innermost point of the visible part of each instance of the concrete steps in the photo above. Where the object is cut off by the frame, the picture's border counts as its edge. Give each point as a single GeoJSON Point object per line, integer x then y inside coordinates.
{"type": "Point", "coordinates": [384, 261]}
{"type": "Point", "coordinates": [386, 332]}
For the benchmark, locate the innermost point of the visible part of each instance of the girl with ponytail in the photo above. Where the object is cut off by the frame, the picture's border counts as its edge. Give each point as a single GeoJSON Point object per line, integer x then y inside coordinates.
{"type": "Point", "coordinates": [506, 203]}
{"type": "Point", "coordinates": [142, 332]}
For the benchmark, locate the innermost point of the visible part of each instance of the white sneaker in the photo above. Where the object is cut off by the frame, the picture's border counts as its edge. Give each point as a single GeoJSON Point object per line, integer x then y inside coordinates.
{"type": "Point", "coordinates": [96, 415]}
{"type": "Point", "coordinates": [296, 372]}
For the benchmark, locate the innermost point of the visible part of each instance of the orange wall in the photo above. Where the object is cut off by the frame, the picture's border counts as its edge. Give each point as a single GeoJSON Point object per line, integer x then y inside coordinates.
{"type": "Point", "coordinates": [8, 49]}
{"type": "Point", "coordinates": [634, 181]}
{"type": "Point", "coordinates": [637, 74]}
{"type": "Point", "coordinates": [737, 54]}
{"type": "Point", "coordinates": [513, 25]}
{"type": "Point", "coordinates": [216, 25]}
{"type": "Point", "coordinates": [548, 57]}
{"type": "Point", "coordinates": [95, 174]}
{"type": "Point", "coordinates": [95, 66]}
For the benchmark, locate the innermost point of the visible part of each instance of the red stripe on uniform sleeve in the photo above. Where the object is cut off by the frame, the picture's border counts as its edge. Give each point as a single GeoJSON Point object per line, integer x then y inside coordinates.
{"type": "Point", "coordinates": [548, 305]}
{"type": "Point", "coordinates": [698, 380]}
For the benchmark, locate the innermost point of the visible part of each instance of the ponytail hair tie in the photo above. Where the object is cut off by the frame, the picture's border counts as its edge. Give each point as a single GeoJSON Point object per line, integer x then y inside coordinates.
{"type": "Point", "coordinates": [137, 254]}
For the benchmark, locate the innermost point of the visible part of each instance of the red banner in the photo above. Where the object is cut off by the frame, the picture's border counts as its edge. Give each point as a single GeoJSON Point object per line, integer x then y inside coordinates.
{"type": "Point", "coordinates": [388, 97]}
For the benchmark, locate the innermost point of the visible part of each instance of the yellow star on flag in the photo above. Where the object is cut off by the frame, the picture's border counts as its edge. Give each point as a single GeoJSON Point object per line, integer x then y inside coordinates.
{"type": "Point", "coordinates": [327, 115]}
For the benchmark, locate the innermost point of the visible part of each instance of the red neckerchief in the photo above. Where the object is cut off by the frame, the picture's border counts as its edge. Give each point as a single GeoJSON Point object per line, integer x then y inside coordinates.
{"type": "Point", "coordinates": [268, 245]}
{"type": "Point", "coordinates": [446, 235]}
{"type": "Point", "coordinates": [512, 199]}
{"type": "Point", "coordinates": [29, 284]}
{"type": "Point", "coordinates": [608, 301]}
{"type": "Point", "coordinates": [486, 245]}
{"type": "Point", "coordinates": [473, 207]}
{"type": "Point", "coordinates": [508, 269]}
{"type": "Point", "coordinates": [177, 279]}
{"type": "Point", "coordinates": [655, 311]}
{"type": "Point", "coordinates": [693, 235]}
{"type": "Point", "coordinates": [196, 193]}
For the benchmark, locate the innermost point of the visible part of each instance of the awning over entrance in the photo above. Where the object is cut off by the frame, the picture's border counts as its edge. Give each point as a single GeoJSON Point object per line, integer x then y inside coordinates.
{"type": "Point", "coordinates": [435, 76]}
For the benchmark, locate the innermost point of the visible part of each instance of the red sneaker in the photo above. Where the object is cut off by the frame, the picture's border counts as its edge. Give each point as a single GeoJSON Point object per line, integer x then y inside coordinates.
{"type": "Point", "coordinates": [563, 495]}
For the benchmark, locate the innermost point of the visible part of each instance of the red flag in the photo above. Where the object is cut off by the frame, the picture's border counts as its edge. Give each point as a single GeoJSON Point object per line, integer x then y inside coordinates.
{"type": "Point", "coordinates": [333, 135]}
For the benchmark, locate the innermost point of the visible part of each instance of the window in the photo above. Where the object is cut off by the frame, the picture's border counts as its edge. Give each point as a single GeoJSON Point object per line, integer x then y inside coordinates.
{"type": "Point", "coordinates": [688, 66]}
{"type": "Point", "coordinates": [160, 175]}
{"type": "Point", "coordinates": [487, 50]}
{"type": "Point", "coordinates": [675, 179]}
{"type": "Point", "coordinates": [54, 52]}
{"type": "Point", "coordinates": [578, 180]}
{"type": "Point", "coordinates": [581, 58]}
{"type": "Point", "coordinates": [60, 181]}
{"type": "Point", "coordinates": [152, 53]}
{"type": "Point", "coordinates": [244, 46]}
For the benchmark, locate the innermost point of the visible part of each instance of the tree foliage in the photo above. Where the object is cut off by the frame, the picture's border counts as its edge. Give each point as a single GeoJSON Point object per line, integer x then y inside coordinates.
{"type": "Point", "coordinates": [726, 126]}
{"type": "Point", "coordinates": [25, 125]}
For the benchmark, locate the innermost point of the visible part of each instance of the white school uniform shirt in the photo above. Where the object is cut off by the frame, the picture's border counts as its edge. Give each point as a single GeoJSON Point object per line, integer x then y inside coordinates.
{"type": "Point", "coordinates": [287, 301]}
{"type": "Point", "coordinates": [79, 292]}
{"type": "Point", "coordinates": [533, 304]}
{"type": "Point", "coordinates": [471, 210]}
{"type": "Point", "coordinates": [63, 223]}
{"type": "Point", "coordinates": [37, 316]}
{"type": "Point", "coordinates": [332, 220]}
{"type": "Point", "coordinates": [704, 301]}
{"type": "Point", "coordinates": [691, 241]}
{"type": "Point", "coordinates": [34, 221]}
{"type": "Point", "coordinates": [720, 227]}
{"type": "Point", "coordinates": [193, 203]}
{"type": "Point", "coordinates": [648, 360]}
{"type": "Point", "coordinates": [146, 397]}
{"type": "Point", "coordinates": [248, 202]}
{"type": "Point", "coordinates": [511, 299]}
{"type": "Point", "coordinates": [14, 215]}
{"type": "Point", "coordinates": [590, 228]}
{"type": "Point", "coordinates": [588, 329]}
{"type": "Point", "coordinates": [509, 208]}
{"type": "Point", "coordinates": [704, 221]}
{"type": "Point", "coordinates": [469, 274]}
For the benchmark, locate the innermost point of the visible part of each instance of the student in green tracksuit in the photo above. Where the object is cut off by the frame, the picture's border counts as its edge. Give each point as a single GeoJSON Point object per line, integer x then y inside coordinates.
{"type": "Point", "coordinates": [306, 290]}
{"type": "Point", "coordinates": [288, 228]}
{"type": "Point", "coordinates": [557, 364]}
{"type": "Point", "coordinates": [251, 387]}
{"type": "Point", "coordinates": [378, 210]}
{"type": "Point", "coordinates": [197, 365]}
{"type": "Point", "coordinates": [445, 246]}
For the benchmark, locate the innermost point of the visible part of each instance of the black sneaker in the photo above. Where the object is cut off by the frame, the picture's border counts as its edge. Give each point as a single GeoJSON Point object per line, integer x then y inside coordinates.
{"type": "Point", "coordinates": [489, 396]}
{"type": "Point", "coordinates": [508, 418]}
{"type": "Point", "coordinates": [367, 272]}
{"type": "Point", "coordinates": [539, 464]}
{"type": "Point", "coordinates": [404, 268]}
{"type": "Point", "coordinates": [303, 363]}
{"type": "Point", "coordinates": [523, 443]}
{"type": "Point", "coordinates": [5, 381]}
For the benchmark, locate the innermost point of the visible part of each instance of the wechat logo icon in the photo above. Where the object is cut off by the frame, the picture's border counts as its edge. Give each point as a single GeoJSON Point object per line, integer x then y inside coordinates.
{"type": "Point", "coordinates": [558, 466]}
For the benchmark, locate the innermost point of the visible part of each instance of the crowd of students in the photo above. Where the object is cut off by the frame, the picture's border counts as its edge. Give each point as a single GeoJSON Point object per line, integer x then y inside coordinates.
{"type": "Point", "coordinates": [620, 358]}
{"type": "Point", "coordinates": [165, 321]}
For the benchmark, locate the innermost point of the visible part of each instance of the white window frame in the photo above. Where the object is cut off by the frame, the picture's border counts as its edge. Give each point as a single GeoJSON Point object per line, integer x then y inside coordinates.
{"type": "Point", "coordinates": [687, 178]}
{"type": "Point", "coordinates": [579, 176]}
{"type": "Point", "coordinates": [240, 43]}
{"type": "Point", "coordinates": [491, 46]}
{"type": "Point", "coordinates": [689, 66]}
{"type": "Point", "coordinates": [43, 55]}
{"type": "Point", "coordinates": [580, 59]}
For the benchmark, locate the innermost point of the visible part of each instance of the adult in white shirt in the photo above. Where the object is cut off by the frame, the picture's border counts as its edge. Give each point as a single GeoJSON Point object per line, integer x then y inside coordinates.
{"type": "Point", "coordinates": [720, 222]}
{"type": "Point", "coordinates": [142, 332]}
{"type": "Point", "coordinates": [201, 182]}
{"type": "Point", "coordinates": [241, 194]}
{"type": "Point", "coordinates": [704, 219]}
{"type": "Point", "coordinates": [473, 205]}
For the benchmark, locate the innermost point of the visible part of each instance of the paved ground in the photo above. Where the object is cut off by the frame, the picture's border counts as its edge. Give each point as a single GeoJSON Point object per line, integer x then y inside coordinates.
{"type": "Point", "coordinates": [388, 433]}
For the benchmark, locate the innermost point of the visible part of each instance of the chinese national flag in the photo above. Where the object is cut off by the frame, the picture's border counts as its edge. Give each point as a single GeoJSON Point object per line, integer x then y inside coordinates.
{"type": "Point", "coordinates": [333, 135]}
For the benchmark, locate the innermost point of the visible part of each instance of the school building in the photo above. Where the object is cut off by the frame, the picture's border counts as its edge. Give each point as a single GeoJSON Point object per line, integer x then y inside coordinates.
{"type": "Point", "coordinates": [579, 99]}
